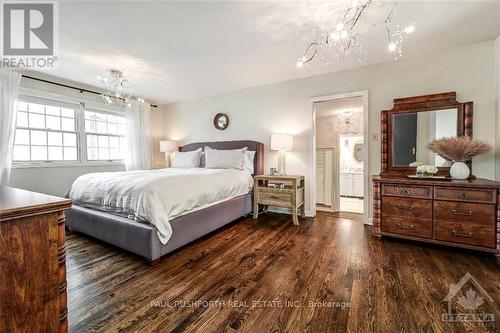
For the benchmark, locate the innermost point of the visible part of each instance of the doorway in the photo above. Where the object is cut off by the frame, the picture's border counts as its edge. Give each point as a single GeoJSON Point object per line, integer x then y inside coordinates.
{"type": "Point", "coordinates": [339, 154]}
{"type": "Point", "coordinates": [351, 185]}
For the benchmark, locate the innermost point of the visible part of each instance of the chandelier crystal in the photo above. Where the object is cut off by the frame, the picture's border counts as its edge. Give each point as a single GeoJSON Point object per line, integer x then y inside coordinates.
{"type": "Point", "coordinates": [344, 35]}
{"type": "Point", "coordinates": [116, 88]}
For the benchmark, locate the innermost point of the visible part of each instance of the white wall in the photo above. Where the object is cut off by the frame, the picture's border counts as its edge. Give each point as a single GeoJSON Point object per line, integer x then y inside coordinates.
{"type": "Point", "coordinates": [284, 107]}
{"type": "Point", "coordinates": [157, 135]}
{"type": "Point", "coordinates": [329, 124]}
{"type": "Point", "coordinates": [53, 180]}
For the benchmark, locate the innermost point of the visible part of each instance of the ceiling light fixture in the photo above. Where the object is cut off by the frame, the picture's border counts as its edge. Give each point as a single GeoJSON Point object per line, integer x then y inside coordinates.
{"type": "Point", "coordinates": [347, 114]}
{"type": "Point", "coordinates": [392, 47]}
{"type": "Point", "coordinates": [409, 29]}
{"type": "Point", "coordinates": [344, 38]}
{"type": "Point", "coordinates": [116, 88]}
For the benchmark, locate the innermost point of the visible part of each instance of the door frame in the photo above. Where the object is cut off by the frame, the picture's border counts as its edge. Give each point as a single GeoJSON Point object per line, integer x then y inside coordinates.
{"type": "Point", "coordinates": [366, 153]}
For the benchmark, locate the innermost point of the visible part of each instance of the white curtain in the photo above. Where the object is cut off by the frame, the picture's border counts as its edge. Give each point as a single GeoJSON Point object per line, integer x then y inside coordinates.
{"type": "Point", "coordinates": [138, 135]}
{"type": "Point", "coordinates": [9, 87]}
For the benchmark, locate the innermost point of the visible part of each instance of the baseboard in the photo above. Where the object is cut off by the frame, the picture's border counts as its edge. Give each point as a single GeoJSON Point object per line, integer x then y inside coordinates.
{"type": "Point", "coordinates": [282, 210]}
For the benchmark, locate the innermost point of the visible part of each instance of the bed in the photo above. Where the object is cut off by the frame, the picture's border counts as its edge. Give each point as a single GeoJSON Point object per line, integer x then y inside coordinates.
{"type": "Point", "coordinates": [143, 238]}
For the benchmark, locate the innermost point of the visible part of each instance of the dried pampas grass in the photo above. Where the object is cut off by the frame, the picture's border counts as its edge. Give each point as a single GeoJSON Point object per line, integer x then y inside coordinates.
{"type": "Point", "coordinates": [458, 148]}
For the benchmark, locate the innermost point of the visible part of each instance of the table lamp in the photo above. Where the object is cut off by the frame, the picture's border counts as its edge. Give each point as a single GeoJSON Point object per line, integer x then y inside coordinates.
{"type": "Point", "coordinates": [168, 147]}
{"type": "Point", "coordinates": [282, 143]}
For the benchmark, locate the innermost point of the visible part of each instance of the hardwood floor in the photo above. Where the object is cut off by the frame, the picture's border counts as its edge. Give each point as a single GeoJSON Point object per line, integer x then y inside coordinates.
{"type": "Point", "coordinates": [385, 285]}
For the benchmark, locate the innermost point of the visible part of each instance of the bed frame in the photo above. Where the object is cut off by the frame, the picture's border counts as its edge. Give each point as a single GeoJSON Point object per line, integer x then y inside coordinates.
{"type": "Point", "coordinates": [142, 239]}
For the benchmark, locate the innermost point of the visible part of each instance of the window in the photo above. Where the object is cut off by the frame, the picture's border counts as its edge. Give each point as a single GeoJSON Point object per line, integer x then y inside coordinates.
{"type": "Point", "coordinates": [45, 133]}
{"type": "Point", "coordinates": [105, 136]}
{"type": "Point", "coordinates": [51, 132]}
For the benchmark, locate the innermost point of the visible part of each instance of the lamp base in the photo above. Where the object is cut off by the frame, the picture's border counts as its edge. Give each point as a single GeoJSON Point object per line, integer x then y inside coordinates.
{"type": "Point", "coordinates": [281, 163]}
{"type": "Point", "coordinates": [167, 160]}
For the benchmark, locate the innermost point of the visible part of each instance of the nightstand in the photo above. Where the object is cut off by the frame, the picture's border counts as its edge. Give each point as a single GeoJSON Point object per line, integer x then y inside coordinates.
{"type": "Point", "coordinates": [281, 191]}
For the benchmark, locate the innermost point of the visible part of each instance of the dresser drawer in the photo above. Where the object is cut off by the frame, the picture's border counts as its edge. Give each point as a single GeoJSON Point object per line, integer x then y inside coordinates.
{"type": "Point", "coordinates": [464, 194]}
{"type": "Point", "coordinates": [275, 198]}
{"type": "Point", "coordinates": [424, 192]}
{"type": "Point", "coordinates": [465, 212]}
{"type": "Point", "coordinates": [407, 226]}
{"type": "Point", "coordinates": [407, 207]}
{"type": "Point", "coordinates": [465, 233]}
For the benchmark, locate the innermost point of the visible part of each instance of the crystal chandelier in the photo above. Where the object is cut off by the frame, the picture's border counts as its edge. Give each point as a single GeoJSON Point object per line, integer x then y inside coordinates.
{"type": "Point", "coordinates": [116, 88]}
{"type": "Point", "coordinates": [343, 37]}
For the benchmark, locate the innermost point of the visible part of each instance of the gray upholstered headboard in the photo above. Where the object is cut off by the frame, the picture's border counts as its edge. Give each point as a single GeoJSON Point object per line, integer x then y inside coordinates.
{"type": "Point", "coordinates": [258, 147]}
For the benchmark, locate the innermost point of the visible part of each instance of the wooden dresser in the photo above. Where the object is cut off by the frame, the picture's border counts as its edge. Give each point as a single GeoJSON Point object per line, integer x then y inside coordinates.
{"type": "Point", "coordinates": [459, 213]}
{"type": "Point", "coordinates": [32, 262]}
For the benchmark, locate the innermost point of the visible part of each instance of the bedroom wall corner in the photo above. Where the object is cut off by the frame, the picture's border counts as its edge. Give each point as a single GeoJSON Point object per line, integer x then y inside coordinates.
{"type": "Point", "coordinates": [497, 86]}
{"type": "Point", "coordinates": [158, 120]}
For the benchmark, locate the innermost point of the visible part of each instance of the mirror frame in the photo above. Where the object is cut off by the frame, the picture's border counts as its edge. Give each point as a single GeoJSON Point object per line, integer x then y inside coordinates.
{"type": "Point", "coordinates": [421, 104]}
{"type": "Point", "coordinates": [216, 121]}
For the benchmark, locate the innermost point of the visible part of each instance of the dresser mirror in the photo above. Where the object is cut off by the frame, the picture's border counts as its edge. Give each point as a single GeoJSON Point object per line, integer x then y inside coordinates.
{"type": "Point", "coordinates": [414, 122]}
{"type": "Point", "coordinates": [411, 132]}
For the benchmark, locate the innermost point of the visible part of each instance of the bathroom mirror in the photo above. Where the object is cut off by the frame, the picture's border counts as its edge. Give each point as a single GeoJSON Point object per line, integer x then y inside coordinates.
{"type": "Point", "coordinates": [413, 122]}
{"type": "Point", "coordinates": [357, 152]}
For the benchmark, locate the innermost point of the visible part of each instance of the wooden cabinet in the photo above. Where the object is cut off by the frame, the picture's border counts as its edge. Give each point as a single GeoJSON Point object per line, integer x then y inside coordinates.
{"type": "Point", "coordinates": [32, 262]}
{"type": "Point", "coordinates": [407, 216]}
{"type": "Point", "coordinates": [459, 213]}
{"type": "Point", "coordinates": [281, 191]}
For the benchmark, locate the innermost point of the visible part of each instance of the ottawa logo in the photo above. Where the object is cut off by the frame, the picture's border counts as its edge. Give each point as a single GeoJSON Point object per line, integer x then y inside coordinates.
{"type": "Point", "coordinates": [475, 296]}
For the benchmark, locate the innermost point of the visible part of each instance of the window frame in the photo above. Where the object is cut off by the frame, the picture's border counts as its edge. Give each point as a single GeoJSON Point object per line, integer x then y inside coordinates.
{"type": "Point", "coordinates": [81, 144]}
{"type": "Point", "coordinates": [84, 135]}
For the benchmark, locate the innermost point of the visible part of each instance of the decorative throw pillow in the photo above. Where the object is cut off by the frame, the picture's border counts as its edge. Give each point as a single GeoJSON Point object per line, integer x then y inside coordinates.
{"type": "Point", "coordinates": [188, 159]}
{"type": "Point", "coordinates": [224, 159]}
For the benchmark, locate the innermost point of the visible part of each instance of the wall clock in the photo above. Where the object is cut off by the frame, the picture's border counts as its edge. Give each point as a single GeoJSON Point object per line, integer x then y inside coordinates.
{"type": "Point", "coordinates": [221, 121]}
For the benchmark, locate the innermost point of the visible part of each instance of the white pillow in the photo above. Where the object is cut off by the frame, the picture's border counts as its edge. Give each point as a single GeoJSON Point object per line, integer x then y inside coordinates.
{"type": "Point", "coordinates": [188, 159]}
{"type": "Point", "coordinates": [247, 164]}
{"type": "Point", "coordinates": [224, 159]}
{"type": "Point", "coordinates": [249, 157]}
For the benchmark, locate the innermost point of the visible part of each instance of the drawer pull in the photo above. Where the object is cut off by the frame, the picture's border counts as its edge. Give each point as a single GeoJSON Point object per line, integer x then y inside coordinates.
{"type": "Point", "coordinates": [273, 197]}
{"type": "Point", "coordinates": [405, 226]}
{"type": "Point", "coordinates": [405, 207]}
{"type": "Point", "coordinates": [468, 213]}
{"type": "Point", "coordinates": [405, 191]}
{"type": "Point", "coordinates": [459, 234]}
{"type": "Point", "coordinates": [463, 195]}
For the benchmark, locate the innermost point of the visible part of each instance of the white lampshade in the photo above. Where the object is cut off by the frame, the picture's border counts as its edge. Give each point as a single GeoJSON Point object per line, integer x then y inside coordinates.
{"type": "Point", "coordinates": [168, 146]}
{"type": "Point", "coordinates": [283, 142]}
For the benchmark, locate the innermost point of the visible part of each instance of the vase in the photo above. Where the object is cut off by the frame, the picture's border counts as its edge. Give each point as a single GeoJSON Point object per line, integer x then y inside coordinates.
{"type": "Point", "coordinates": [459, 170]}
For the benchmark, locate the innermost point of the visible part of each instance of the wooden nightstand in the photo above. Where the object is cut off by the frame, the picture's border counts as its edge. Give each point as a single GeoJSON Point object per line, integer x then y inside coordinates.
{"type": "Point", "coordinates": [289, 195]}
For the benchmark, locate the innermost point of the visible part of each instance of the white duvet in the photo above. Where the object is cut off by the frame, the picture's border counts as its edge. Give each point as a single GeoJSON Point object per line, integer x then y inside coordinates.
{"type": "Point", "coordinates": [157, 196]}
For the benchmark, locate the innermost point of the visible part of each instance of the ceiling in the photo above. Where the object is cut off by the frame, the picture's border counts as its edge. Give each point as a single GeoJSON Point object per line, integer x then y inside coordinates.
{"type": "Point", "coordinates": [337, 106]}
{"type": "Point", "coordinates": [174, 51]}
